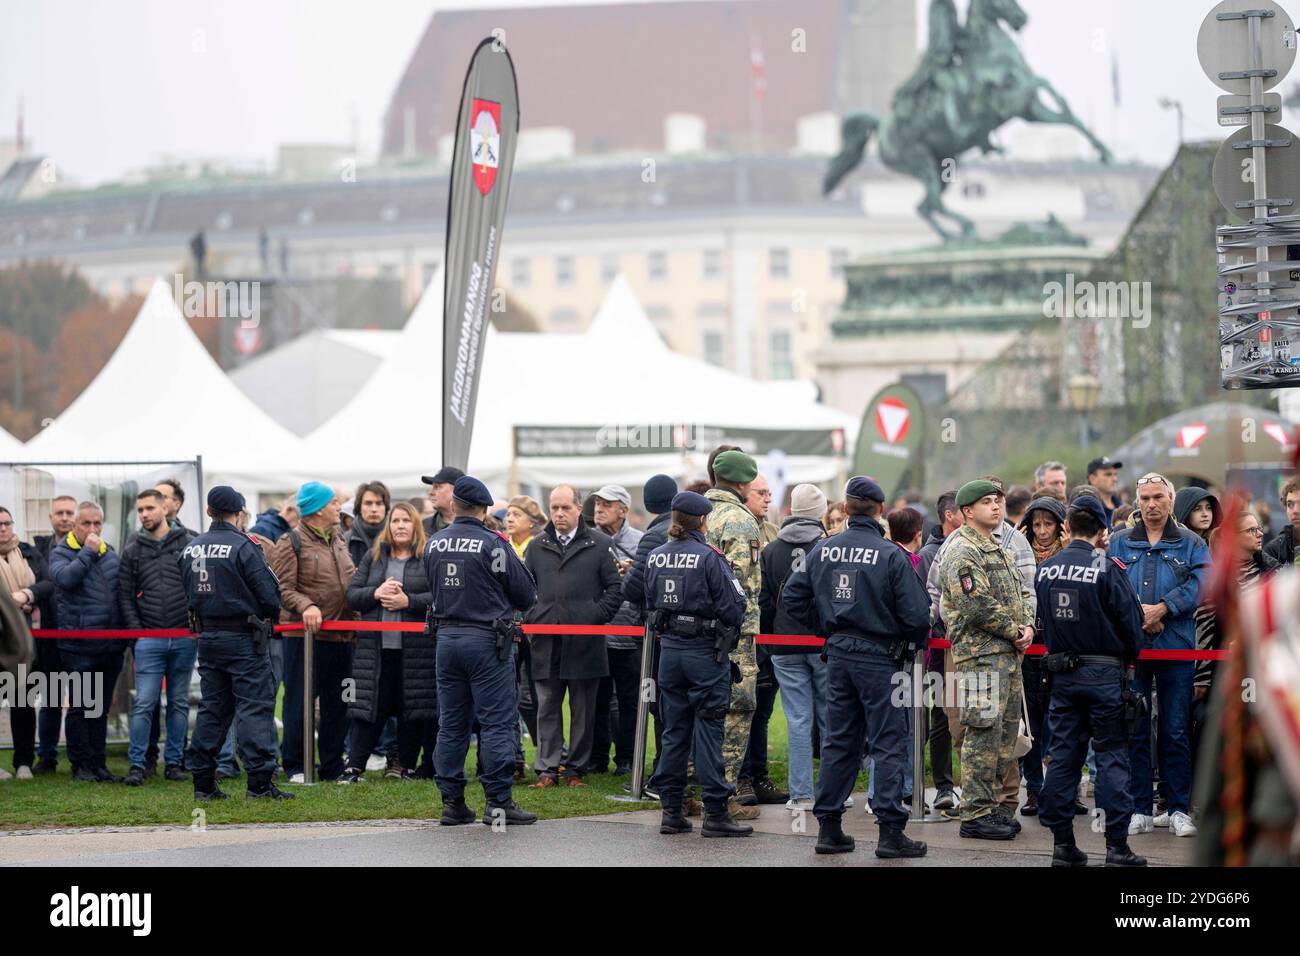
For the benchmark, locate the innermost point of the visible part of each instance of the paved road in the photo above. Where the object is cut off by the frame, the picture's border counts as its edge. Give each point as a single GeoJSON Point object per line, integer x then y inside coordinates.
{"type": "Point", "coordinates": [615, 840]}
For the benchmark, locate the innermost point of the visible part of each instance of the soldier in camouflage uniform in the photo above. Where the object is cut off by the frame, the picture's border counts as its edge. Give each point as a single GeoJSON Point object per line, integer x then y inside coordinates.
{"type": "Point", "coordinates": [989, 624]}
{"type": "Point", "coordinates": [734, 531]}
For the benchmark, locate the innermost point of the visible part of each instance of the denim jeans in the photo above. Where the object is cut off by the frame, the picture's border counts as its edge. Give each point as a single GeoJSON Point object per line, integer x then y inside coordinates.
{"type": "Point", "coordinates": [802, 682]}
{"type": "Point", "coordinates": [156, 659]}
{"type": "Point", "coordinates": [1173, 685]}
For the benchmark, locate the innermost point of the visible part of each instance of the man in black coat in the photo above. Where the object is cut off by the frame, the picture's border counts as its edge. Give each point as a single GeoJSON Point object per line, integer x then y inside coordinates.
{"type": "Point", "coordinates": [577, 583]}
{"type": "Point", "coordinates": [1282, 548]}
{"type": "Point", "coordinates": [152, 595]}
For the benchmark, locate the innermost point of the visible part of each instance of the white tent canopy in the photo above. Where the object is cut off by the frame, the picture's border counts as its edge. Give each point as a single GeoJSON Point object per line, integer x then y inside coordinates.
{"type": "Point", "coordinates": [618, 374]}
{"type": "Point", "coordinates": [327, 368]}
{"type": "Point", "coordinates": [162, 397]}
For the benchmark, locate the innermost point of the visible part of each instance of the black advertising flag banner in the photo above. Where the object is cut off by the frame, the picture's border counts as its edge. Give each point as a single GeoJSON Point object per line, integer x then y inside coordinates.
{"type": "Point", "coordinates": [487, 129]}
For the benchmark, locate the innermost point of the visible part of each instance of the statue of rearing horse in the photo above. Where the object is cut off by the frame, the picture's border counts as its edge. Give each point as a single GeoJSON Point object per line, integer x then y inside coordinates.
{"type": "Point", "coordinates": [971, 80]}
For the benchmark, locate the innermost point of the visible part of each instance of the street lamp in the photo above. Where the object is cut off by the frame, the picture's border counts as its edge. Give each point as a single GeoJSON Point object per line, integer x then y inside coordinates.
{"type": "Point", "coordinates": [1084, 391]}
{"type": "Point", "coordinates": [1166, 103]}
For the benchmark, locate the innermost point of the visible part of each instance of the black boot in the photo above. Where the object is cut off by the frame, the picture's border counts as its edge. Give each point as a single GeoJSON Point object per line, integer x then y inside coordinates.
{"type": "Point", "coordinates": [674, 821]}
{"type": "Point", "coordinates": [205, 787]}
{"type": "Point", "coordinates": [988, 827]}
{"type": "Point", "coordinates": [1030, 809]}
{"type": "Point", "coordinates": [831, 837]}
{"type": "Point", "coordinates": [1119, 854]}
{"type": "Point", "coordinates": [721, 825]}
{"type": "Point", "coordinates": [260, 787]}
{"type": "Point", "coordinates": [509, 812]}
{"type": "Point", "coordinates": [1068, 853]}
{"type": "Point", "coordinates": [456, 812]}
{"type": "Point", "coordinates": [895, 843]}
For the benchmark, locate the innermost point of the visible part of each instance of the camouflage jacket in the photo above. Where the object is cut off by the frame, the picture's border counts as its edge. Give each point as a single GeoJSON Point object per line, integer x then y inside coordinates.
{"type": "Point", "coordinates": [734, 531]}
{"type": "Point", "coordinates": [983, 606]}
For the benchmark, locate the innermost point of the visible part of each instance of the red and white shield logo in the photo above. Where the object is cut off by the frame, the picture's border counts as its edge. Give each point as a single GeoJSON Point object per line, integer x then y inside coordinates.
{"type": "Point", "coordinates": [1278, 433]}
{"type": "Point", "coordinates": [1189, 436]}
{"type": "Point", "coordinates": [892, 420]}
{"type": "Point", "coordinates": [485, 142]}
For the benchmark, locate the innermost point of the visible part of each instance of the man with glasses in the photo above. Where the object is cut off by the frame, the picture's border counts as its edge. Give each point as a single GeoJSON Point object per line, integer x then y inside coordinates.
{"type": "Point", "coordinates": [1168, 566]}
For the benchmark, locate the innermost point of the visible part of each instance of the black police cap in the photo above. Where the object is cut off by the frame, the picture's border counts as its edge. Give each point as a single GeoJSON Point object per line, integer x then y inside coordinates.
{"type": "Point", "coordinates": [691, 503]}
{"type": "Point", "coordinates": [472, 491]}
{"type": "Point", "coordinates": [225, 500]}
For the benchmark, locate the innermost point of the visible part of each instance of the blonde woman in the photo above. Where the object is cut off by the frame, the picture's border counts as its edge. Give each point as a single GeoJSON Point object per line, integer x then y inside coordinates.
{"type": "Point", "coordinates": [524, 519]}
{"type": "Point", "coordinates": [394, 671]}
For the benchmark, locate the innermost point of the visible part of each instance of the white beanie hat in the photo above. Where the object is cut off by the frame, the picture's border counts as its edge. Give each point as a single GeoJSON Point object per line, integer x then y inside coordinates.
{"type": "Point", "coordinates": [807, 501]}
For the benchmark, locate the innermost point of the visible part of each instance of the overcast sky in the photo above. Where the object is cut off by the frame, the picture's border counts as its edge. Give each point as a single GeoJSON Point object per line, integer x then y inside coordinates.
{"type": "Point", "coordinates": [112, 86]}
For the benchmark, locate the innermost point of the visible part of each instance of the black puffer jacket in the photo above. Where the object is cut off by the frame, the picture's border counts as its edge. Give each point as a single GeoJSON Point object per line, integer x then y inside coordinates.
{"type": "Point", "coordinates": [656, 534]}
{"type": "Point", "coordinates": [149, 586]}
{"type": "Point", "coordinates": [419, 661]}
{"type": "Point", "coordinates": [797, 536]}
{"type": "Point", "coordinates": [86, 594]}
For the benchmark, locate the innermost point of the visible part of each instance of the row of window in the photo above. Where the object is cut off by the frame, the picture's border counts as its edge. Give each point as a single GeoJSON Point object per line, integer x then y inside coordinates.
{"type": "Point", "coordinates": [778, 266]}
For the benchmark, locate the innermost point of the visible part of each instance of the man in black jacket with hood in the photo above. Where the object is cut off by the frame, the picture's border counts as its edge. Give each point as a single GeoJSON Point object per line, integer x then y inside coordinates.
{"type": "Point", "coordinates": [151, 595]}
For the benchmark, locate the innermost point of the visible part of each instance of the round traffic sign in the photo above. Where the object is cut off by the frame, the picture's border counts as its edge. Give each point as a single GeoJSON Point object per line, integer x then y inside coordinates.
{"type": "Point", "coordinates": [1233, 173]}
{"type": "Point", "coordinates": [1223, 46]}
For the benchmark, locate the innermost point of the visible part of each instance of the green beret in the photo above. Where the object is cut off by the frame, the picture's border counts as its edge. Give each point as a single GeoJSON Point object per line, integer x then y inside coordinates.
{"type": "Point", "coordinates": [973, 491]}
{"type": "Point", "coordinates": [736, 467]}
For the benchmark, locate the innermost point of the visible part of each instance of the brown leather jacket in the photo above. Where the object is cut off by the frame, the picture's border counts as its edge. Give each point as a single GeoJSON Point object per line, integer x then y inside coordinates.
{"type": "Point", "coordinates": [318, 575]}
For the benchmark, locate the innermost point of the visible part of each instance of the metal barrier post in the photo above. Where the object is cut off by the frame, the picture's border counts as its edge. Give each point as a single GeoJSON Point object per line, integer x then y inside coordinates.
{"type": "Point", "coordinates": [308, 709]}
{"type": "Point", "coordinates": [919, 727]}
{"type": "Point", "coordinates": [646, 683]}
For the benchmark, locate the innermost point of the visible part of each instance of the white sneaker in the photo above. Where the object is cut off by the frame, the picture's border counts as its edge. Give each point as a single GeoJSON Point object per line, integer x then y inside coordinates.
{"type": "Point", "coordinates": [1162, 819]}
{"type": "Point", "coordinates": [1181, 824]}
{"type": "Point", "coordinates": [1140, 823]}
{"type": "Point", "coordinates": [377, 762]}
{"type": "Point", "coordinates": [6, 775]}
{"type": "Point", "coordinates": [24, 773]}
{"type": "Point", "coordinates": [795, 804]}
{"type": "Point", "coordinates": [849, 802]}
{"type": "Point", "coordinates": [297, 778]}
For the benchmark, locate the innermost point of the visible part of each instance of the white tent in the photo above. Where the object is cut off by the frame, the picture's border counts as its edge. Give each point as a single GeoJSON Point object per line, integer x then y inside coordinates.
{"type": "Point", "coordinates": [162, 397]}
{"type": "Point", "coordinates": [618, 375]}
{"type": "Point", "coordinates": [327, 368]}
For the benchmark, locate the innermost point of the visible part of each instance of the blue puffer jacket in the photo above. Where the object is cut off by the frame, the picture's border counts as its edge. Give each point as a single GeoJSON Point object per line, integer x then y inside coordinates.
{"type": "Point", "coordinates": [1174, 570]}
{"type": "Point", "coordinates": [86, 595]}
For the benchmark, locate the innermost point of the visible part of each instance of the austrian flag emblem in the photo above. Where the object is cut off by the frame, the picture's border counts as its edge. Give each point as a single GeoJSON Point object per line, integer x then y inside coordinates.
{"type": "Point", "coordinates": [485, 142]}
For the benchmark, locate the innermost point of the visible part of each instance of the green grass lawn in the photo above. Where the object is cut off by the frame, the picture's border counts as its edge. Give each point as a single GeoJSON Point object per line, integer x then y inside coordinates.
{"type": "Point", "coordinates": [59, 801]}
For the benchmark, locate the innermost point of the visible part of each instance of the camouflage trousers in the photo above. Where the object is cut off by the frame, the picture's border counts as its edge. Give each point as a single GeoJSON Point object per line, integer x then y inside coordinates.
{"type": "Point", "coordinates": [991, 689]}
{"type": "Point", "coordinates": [740, 709]}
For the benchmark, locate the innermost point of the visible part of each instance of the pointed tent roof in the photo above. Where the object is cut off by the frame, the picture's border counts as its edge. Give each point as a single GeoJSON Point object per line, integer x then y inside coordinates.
{"type": "Point", "coordinates": [161, 396]}
{"type": "Point", "coordinates": [556, 379]}
{"type": "Point", "coordinates": [621, 319]}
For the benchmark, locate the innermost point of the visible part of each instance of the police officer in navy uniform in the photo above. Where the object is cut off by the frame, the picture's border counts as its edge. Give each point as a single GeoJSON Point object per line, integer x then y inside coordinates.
{"type": "Point", "coordinates": [698, 607]}
{"type": "Point", "coordinates": [860, 591]}
{"type": "Point", "coordinates": [477, 583]}
{"type": "Point", "coordinates": [1091, 622]}
{"type": "Point", "coordinates": [233, 600]}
